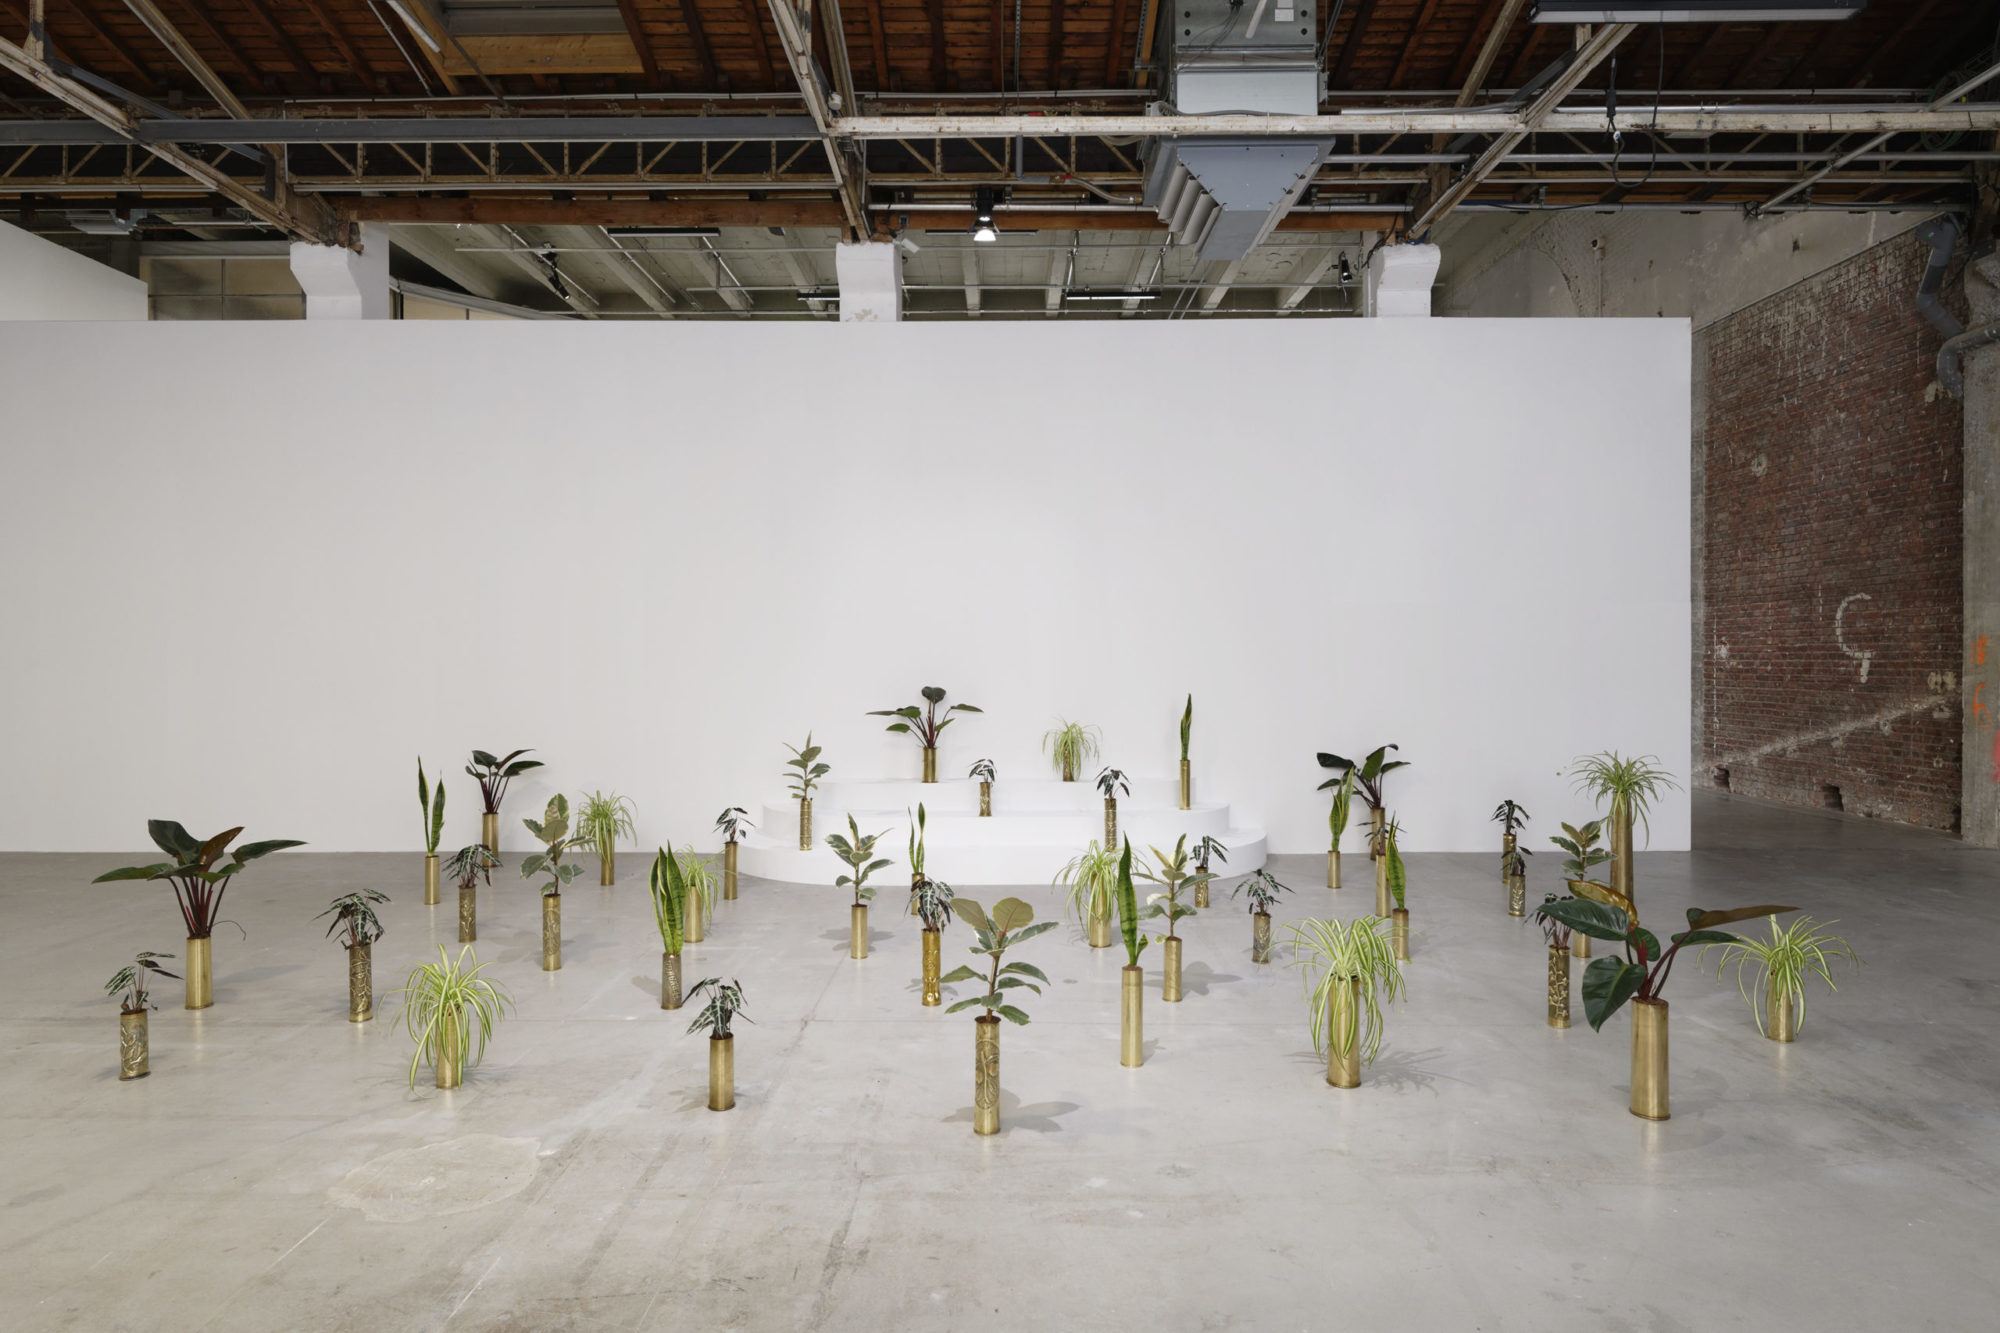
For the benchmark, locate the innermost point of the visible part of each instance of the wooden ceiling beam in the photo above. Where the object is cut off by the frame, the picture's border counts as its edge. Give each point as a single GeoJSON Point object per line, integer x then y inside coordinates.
{"type": "Point", "coordinates": [1882, 50]}
{"type": "Point", "coordinates": [760, 46]}
{"type": "Point", "coordinates": [1417, 25]}
{"type": "Point", "coordinates": [697, 35]}
{"type": "Point", "coordinates": [1350, 48]}
{"type": "Point", "coordinates": [343, 43]}
{"type": "Point", "coordinates": [182, 50]}
{"type": "Point", "coordinates": [277, 33]}
{"type": "Point", "coordinates": [1057, 11]}
{"type": "Point", "coordinates": [934, 11]}
{"type": "Point", "coordinates": [1809, 62]}
{"type": "Point", "coordinates": [223, 42]}
{"type": "Point", "coordinates": [149, 79]}
{"type": "Point", "coordinates": [878, 45]}
{"type": "Point", "coordinates": [1114, 45]}
{"type": "Point", "coordinates": [1774, 34]}
{"type": "Point", "coordinates": [649, 63]}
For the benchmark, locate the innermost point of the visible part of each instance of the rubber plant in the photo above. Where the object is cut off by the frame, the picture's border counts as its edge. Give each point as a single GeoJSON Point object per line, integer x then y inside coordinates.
{"type": "Point", "coordinates": [1012, 922]}
{"type": "Point", "coordinates": [807, 770]}
{"type": "Point", "coordinates": [858, 852]}
{"type": "Point", "coordinates": [552, 831]}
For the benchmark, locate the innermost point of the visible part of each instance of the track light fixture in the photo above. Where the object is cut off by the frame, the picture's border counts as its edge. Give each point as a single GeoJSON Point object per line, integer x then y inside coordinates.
{"type": "Point", "coordinates": [1346, 272]}
{"type": "Point", "coordinates": [982, 216]}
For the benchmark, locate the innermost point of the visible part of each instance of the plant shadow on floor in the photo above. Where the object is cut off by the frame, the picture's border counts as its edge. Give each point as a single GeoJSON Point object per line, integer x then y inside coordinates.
{"type": "Point", "coordinates": [1039, 1118]}
{"type": "Point", "coordinates": [1393, 1068]}
{"type": "Point", "coordinates": [845, 939]}
{"type": "Point", "coordinates": [1196, 978]}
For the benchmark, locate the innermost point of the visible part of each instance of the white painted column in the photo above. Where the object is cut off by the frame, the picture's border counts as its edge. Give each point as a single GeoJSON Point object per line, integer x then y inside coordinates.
{"type": "Point", "coordinates": [340, 283]}
{"type": "Point", "coordinates": [1399, 281]}
{"type": "Point", "coordinates": [42, 280]}
{"type": "Point", "coordinates": [871, 280]}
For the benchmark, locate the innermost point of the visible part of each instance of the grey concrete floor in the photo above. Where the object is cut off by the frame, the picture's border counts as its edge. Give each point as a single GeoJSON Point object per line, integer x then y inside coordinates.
{"type": "Point", "coordinates": [275, 1172]}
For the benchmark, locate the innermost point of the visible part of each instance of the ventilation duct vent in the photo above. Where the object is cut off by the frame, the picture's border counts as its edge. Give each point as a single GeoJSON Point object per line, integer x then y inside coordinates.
{"type": "Point", "coordinates": [1225, 195]}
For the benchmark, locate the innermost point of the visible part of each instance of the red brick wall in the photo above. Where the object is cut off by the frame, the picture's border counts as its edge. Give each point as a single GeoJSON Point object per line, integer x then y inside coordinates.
{"type": "Point", "coordinates": [1831, 533]}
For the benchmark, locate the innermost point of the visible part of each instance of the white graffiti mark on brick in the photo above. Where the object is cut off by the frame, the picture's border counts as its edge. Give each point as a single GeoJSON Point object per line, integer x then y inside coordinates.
{"type": "Point", "coordinates": [1861, 655]}
{"type": "Point", "coordinates": [1832, 732]}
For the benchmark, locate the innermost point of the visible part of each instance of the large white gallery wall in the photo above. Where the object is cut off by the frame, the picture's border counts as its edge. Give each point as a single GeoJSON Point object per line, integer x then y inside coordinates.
{"type": "Point", "coordinates": [251, 571]}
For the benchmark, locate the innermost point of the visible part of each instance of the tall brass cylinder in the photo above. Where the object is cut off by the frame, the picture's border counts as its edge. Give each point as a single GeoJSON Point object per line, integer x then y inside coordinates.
{"type": "Point", "coordinates": [1579, 944]}
{"type": "Point", "coordinates": [1110, 821]}
{"type": "Point", "coordinates": [670, 980]}
{"type": "Point", "coordinates": [1170, 971]}
{"type": "Point", "coordinates": [721, 1073]}
{"type": "Point", "coordinates": [551, 932]}
{"type": "Point", "coordinates": [132, 1045]}
{"type": "Point", "coordinates": [1132, 1016]}
{"type": "Point", "coordinates": [1399, 934]}
{"type": "Point", "coordinates": [1260, 937]}
{"type": "Point", "coordinates": [430, 881]}
{"type": "Point", "coordinates": [985, 799]}
{"type": "Point", "coordinates": [1100, 932]}
{"type": "Point", "coordinates": [468, 914]}
{"type": "Point", "coordinates": [200, 976]}
{"type": "Point", "coordinates": [1621, 851]}
{"type": "Point", "coordinates": [930, 763]}
{"type": "Point", "coordinates": [729, 872]}
{"type": "Point", "coordinates": [451, 1048]}
{"type": "Point", "coordinates": [360, 984]}
{"type": "Point", "coordinates": [1068, 769]}
{"type": "Point", "coordinates": [1517, 895]}
{"type": "Point", "coordinates": [1343, 1033]}
{"type": "Point", "coordinates": [607, 867]}
{"type": "Point", "coordinates": [805, 824]}
{"type": "Point", "coordinates": [694, 920]}
{"type": "Point", "coordinates": [1333, 868]}
{"type": "Point", "coordinates": [986, 1074]}
{"type": "Point", "coordinates": [1507, 844]}
{"type": "Point", "coordinates": [1187, 786]}
{"type": "Point", "coordinates": [1558, 986]}
{"type": "Point", "coordinates": [933, 941]}
{"type": "Point", "coordinates": [857, 931]}
{"type": "Point", "coordinates": [1649, 1059]}
{"type": "Point", "coordinates": [489, 833]}
{"type": "Point", "coordinates": [1384, 902]}
{"type": "Point", "coordinates": [1377, 819]}
{"type": "Point", "coordinates": [1201, 893]}
{"type": "Point", "coordinates": [1781, 1015]}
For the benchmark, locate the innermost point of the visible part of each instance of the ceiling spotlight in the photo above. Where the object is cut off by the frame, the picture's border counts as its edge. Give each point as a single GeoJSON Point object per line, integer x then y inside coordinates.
{"type": "Point", "coordinates": [1346, 272]}
{"type": "Point", "coordinates": [982, 217]}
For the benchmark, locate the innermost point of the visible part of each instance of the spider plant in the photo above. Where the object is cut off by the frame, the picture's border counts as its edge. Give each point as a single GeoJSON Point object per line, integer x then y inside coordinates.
{"type": "Point", "coordinates": [1071, 745]}
{"type": "Point", "coordinates": [128, 984]}
{"type": "Point", "coordinates": [493, 775]}
{"type": "Point", "coordinates": [1510, 817]}
{"type": "Point", "coordinates": [699, 878]}
{"type": "Point", "coordinates": [934, 899]}
{"type": "Point", "coordinates": [1008, 926]}
{"type": "Point", "coordinates": [552, 831]}
{"type": "Point", "coordinates": [733, 823]}
{"type": "Point", "coordinates": [1346, 952]}
{"type": "Point", "coordinates": [1090, 881]}
{"type": "Point", "coordinates": [1262, 889]}
{"type": "Point", "coordinates": [354, 913]}
{"type": "Point", "coordinates": [856, 851]}
{"type": "Point", "coordinates": [1630, 785]}
{"type": "Point", "coordinates": [807, 772]}
{"type": "Point", "coordinates": [924, 723]}
{"type": "Point", "coordinates": [725, 1006]}
{"type": "Point", "coordinates": [447, 1003]}
{"type": "Point", "coordinates": [1780, 968]}
{"type": "Point", "coordinates": [670, 901]}
{"type": "Point", "coordinates": [600, 820]}
{"type": "Point", "coordinates": [200, 871]}
{"type": "Point", "coordinates": [433, 808]}
{"type": "Point", "coordinates": [1601, 912]}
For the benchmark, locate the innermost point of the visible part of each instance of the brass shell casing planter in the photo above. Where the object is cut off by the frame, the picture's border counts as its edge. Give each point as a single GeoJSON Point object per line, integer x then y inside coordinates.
{"type": "Point", "coordinates": [729, 872]}
{"type": "Point", "coordinates": [1507, 844]}
{"type": "Point", "coordinates": [930, 763]}
{"type": "Point", "coordinates": [857, 931]}
{"type": "Point", "coordinates": [200, 975]}
{"type": "Point", "coordinates": [721, 1073]}
{"type": "Point", "coordinates": [1333, 869]}
{"type": "Point", "coordinates": [1132, 1016]}
{"type": "Point", "coordinates": [360, 983]}
{"type": "Point", "coordinates": [1558, 986]}
{"type": "Point", "coordinates": [1621, 853]}
{"type": "Point", "coordinates": [1781, 1015]}
{"type": "Point", "coordinates": [430, 881]}
{"type": "Point", "coordinates": [805, 824]}
{"type": "Point", "coordinates": [694, 924]}
{"type": "Point", "coordinates": [986, 1074]}
{"type": "Point", "coordinates": [1517, 895]}
{"type": "Point", "coordinates": [1069, 770]}
{"type": "Point", "coordinates": [1187, 786]}
{"type": "Point", "coordinates": [1649, 1059]}
{"type": "Point", "coordinates": [607, 868]}
{"type": "Point", "coordinates": [933, 941]}
{"type": "Point", "coordinates": [1111, 821]}
{"type": "Point", "coordinates": [1399, 934]}
{"type": "Point", "coordinates": [670, 981]}
{"type": "Point", "coordinates": [468, 914]}
{"type": "Point", "coordinates": [551, 932]}
{"type": "Point", "coordinates": [1376, 820]}
{"type": "Point", "coordinates": [1343, 1067]}
{"type": "Point", "coordinates": [451, 1039]}
{"type": "Point", "coordinates": [1201, 894]}
{"type": "Point", "coordinates": [985, 799]}
{"type": "Point", "coordinates": [132, 1045]}
{"type": "Point", "coordinates": [1170, 971]}
{"type": "Point", "coordinates": [1100, 932]}
{"type": "Point", "coordinates": [1579, 944]}
{"type": "Point", "coordinates": [1383, 902]}
{"type": "Point", "coordinates": [1260, 937]}
{"type": "Point", "coordinates": [489, 832]}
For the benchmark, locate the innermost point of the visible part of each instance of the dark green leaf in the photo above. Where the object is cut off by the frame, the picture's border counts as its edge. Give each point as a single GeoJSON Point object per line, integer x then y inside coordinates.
{"type": "Point", "coordinates": [1607, 984]}
{"type": "Point", "coordinates": [960, 974]}
{"type": "Point", "coordinates": [1013, 1015]}
{"type": "Point", "coordinates": [1700, 920]}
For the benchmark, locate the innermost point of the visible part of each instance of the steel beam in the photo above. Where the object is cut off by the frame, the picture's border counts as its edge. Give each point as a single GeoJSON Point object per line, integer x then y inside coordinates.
{"type": "Point", "coordinates": [796, 40]}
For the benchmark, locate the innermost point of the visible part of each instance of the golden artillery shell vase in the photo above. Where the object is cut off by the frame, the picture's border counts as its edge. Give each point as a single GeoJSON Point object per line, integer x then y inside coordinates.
{"type": "Point", "coordinates": [468, 914]}
{"type": "Point", "coordinates": [930, 763]}
{"type": "Point", "coordinates": [1517, 895]}
{"type": "Point", "coordinates": [607, 867]}
{"type": "Point", "coordinates": [1260, 937]}
{"type": "Point", "coordinates": [360, 984]}
{"type": "Point", "coordinates": [451, 1048]}
{"type": "Point", "coordinates": [1558, 986]}
{"type": "Point", "coordinates": [1187, 786]}
{"type": "Point", "coordinates": [857, 931]}
{"type": "Point", "coordinates": [1131, 1016]}
{"type": "Point", "coordinates": [729, 872]}
{"type": "Point", "coordinates": [1100, 932]}
{"type": "Point", "coordinates": [933, 994]}
{"type": "Point", "coordinates": [1781, 1015]}
{"type": "Point", "coordinates": [430, 881]}
{"type": "Point", "coordinates": [1399, 934]}
{"type": "Point", "coordinates": [200, 975]}
{"type": "Point", "coordinates": [1170, 970]}
{"type": "Point", "coordinates": [805, 824]}
{"type": "Point", "coordinates": [551, 932]}
{"type": "Point", "coordinates": [986, 1074]}
{"type": "Point", "coordinates": [1333, 869]}
{"type": "Point", "coordinates": [721, 1073]}
{"type": "Point", "coordinates": [1343, 1033]}
{"type": "Point", "coordinates": [489, 832]}
{"type": "Point", "coordinates": [1110, 821]}
{"type": "Point", "coordinates": [670, 980]}
{"type": "Point", "coordinates": [132, 1045]}
{"type": "Point", "coordinates": [1649, 1060]}
{"type": "Point", "coordinates": [985, 799]}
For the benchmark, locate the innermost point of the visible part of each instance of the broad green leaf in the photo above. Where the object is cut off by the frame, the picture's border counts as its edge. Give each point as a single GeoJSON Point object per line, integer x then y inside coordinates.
{"type": "Point", "coordinates": [1700, 920]}
{"type": "Point", "coordinates": [156, 871]}
{"type": "Point", "coordinates": [1025, 969]}
{"type": "Point", "coordinates": [1607, 984]}
{"type": "Point", "coordinates": [1011, 914]}
{"type": "Point", "coordinates": [1012, 1015]}
{"type": "Point", "coordinates": [1587, 918]}
{"type": "Point", "coordinates": [965, 1004]}
{"type": "Point", "coordinates": [972, 914]}
{"type": "Point", "coordinates": [960, 973]}
{"type": "Point", "coordinates": [250, 851]}
{"type": "Point", "coordinates": [1704, 937]}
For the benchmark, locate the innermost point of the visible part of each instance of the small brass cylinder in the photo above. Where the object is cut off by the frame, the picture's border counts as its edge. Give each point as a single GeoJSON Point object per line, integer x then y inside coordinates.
{"type": "Point", "coordinates": [1170, 971]}
{"type": "Point", "coordinates": [1649, 1059]}
{"type": "Point", "coordinates": [1187, 785]}
{"type": "Point", "coordinates": [1069, 769]}
{"type": "Point", "coordinates": [360, 984]}
{"type": "Point", "coordinates": [1517, 895]}
{"type": "Point", "coordinates": [805, 823]}
{"type": "Point", "coordinates": [721, 1073]}
{"type": "Point", "coordinates": [729, 872]}
{"type": "Point", "coordinates": [670, 980]}
{"type": "Point", "coordinates": [986, 1074]}
{"type": "Point", "coordinates": [489, 831]}
{"type": "Point", "coordinates": [1343, 1034]}
{"type": "Point", "coordinates": [1377, 819]}
{"type": "Point", "coordinates": [1558, 986]}
{"type": "Point", "coordinates": [607, 867]}
{"type": "Point", "coordinates": [1621, 852]}
{"type": "Point", "coordinates": [451, 1045]}
{"type": "Point", "coordinates": [1507, 844]}
{"type": "Point", "coordinates": [1100, 932]}
{"type": "Point", "coordinates": [468, 914]}
{"type": "Point", "coordinates": [1384, 903]}
{"type": "Point", "coordinates": [132, 1046]}
{"type": "Point", "coordinates": [1333, 868]}
{"type": "Point", "coordinates": [857, 931]}
{"type": "Point", "coordinates": [1260, 937]}
{"type": "Point", "coordinates": [1132, 1017]}
{"type": "Point", "coordinates": [930, 763]}
{"type": "Point", "coordinates": [200, 975]}
{"type": "Point", "coordinates": [694, 921]}
{"type": "Point", "coordinates": [430, 881]}
{"type": "Point", "coordinates": [551, 932]}
{"type": "Point", "coordinates": [1781, 1015]}
{"type": "Point", "coordinates": [1399, 934]}
{"type": "Point", "coordinates": [1579, 944]}
{"type": "Point", "coordinates": [985, 799]}
{"type": "Point", "coordinates": [914, 881]}
{"type": "Point", "coordinates": [1201, 893]}
{"type": "Point", "coordinates": [1110, 821]}
{"type": "Point", "coordinates": [933, 941]}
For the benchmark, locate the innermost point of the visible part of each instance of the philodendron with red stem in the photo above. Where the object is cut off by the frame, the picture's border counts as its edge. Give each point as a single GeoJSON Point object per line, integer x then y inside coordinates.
{"type": "Point", "coordinates": [200, 871]}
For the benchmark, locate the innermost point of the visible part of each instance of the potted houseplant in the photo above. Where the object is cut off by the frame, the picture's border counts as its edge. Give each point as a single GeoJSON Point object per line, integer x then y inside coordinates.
{"type": "Point", "coordinates": [984, 771]}
{"type": "Point", "coordinates": [807, 771]}
{"type": "Point", "coordinates": [1132, 977]}
{"type": "Point", "coordinates": [1071, 745]}
{"type": "Point", "coordinates": [493, 775]}
{"type": "Point", "coordinates": [433, 808]}
{"type": "Point", "coordinates": [600, 819]}
{"type": "Point", "coordinates": [1336, 821]}
{"type": "Point", "coordinates": [1012, 922]}
{"type": "Point", "coordinates": [670, 904]}
{"type": "Point", "coordinates": [200, 873]}
{"type": "Point", "coordinates": [468, 866]}
{"type": "Point", "coordinates": [857, 852]}
{"type": "Point", "coordinates": [934, 898]}
{"type": "Point", "coordinates": [1109, 783]}
{"type": "Point", "coordinates": [1207, 850]}
{"type": "Point", "coordinates": [1581, 856]}
{"type": "Point", "coordinates": [552, 831]}
{"type": "Point", "coordinates": [1187, 772]}
{"type": "Point", "coordinates": [1630, 787]}
{"type": "Point", "coordinates": [1358, 976]}
{"type": "Point", "coordinates": [128, 987]}
{"type": "Point", "coordinates": [1779, 968]}
{"type": "Point", "coordinates": [1263, 890]}
{"type": "Point", "coordinates": [1558, 937]}
{"type": "Point", "coordinates": [450, 1011]}
{"type": "Point", "coordinates": [1091, 883]}
{"type": "Point", "coordinates": [699, 878]}
{"type": "Point", "coordinates": [924, 723]}
{"type": "Point", "coordinates": [1515, 863]}
{"type": "Point", "coordinates": [1391, 880]}
{"type": "Point", "coordinates": [355, 921]}
{"type": "Point", "coordinates": [1172, 871]}
{"type": "Point", "coordinates": [1368, 776]}
{"type": "Point", "coordinates": [732, 823]}
{"type": "Point", "coordinates": [725, 1006]}
{"type": "Point", "coordinates": [1640, 976]}
{"type": "Point", "coordinates": [1511, 818]}
{"type": "Point", "coordinates": [915, 855]}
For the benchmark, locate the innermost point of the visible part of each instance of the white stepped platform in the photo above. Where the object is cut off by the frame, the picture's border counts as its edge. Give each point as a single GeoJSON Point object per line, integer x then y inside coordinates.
{"type": "Point", "coordinates": [1036, 827]}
